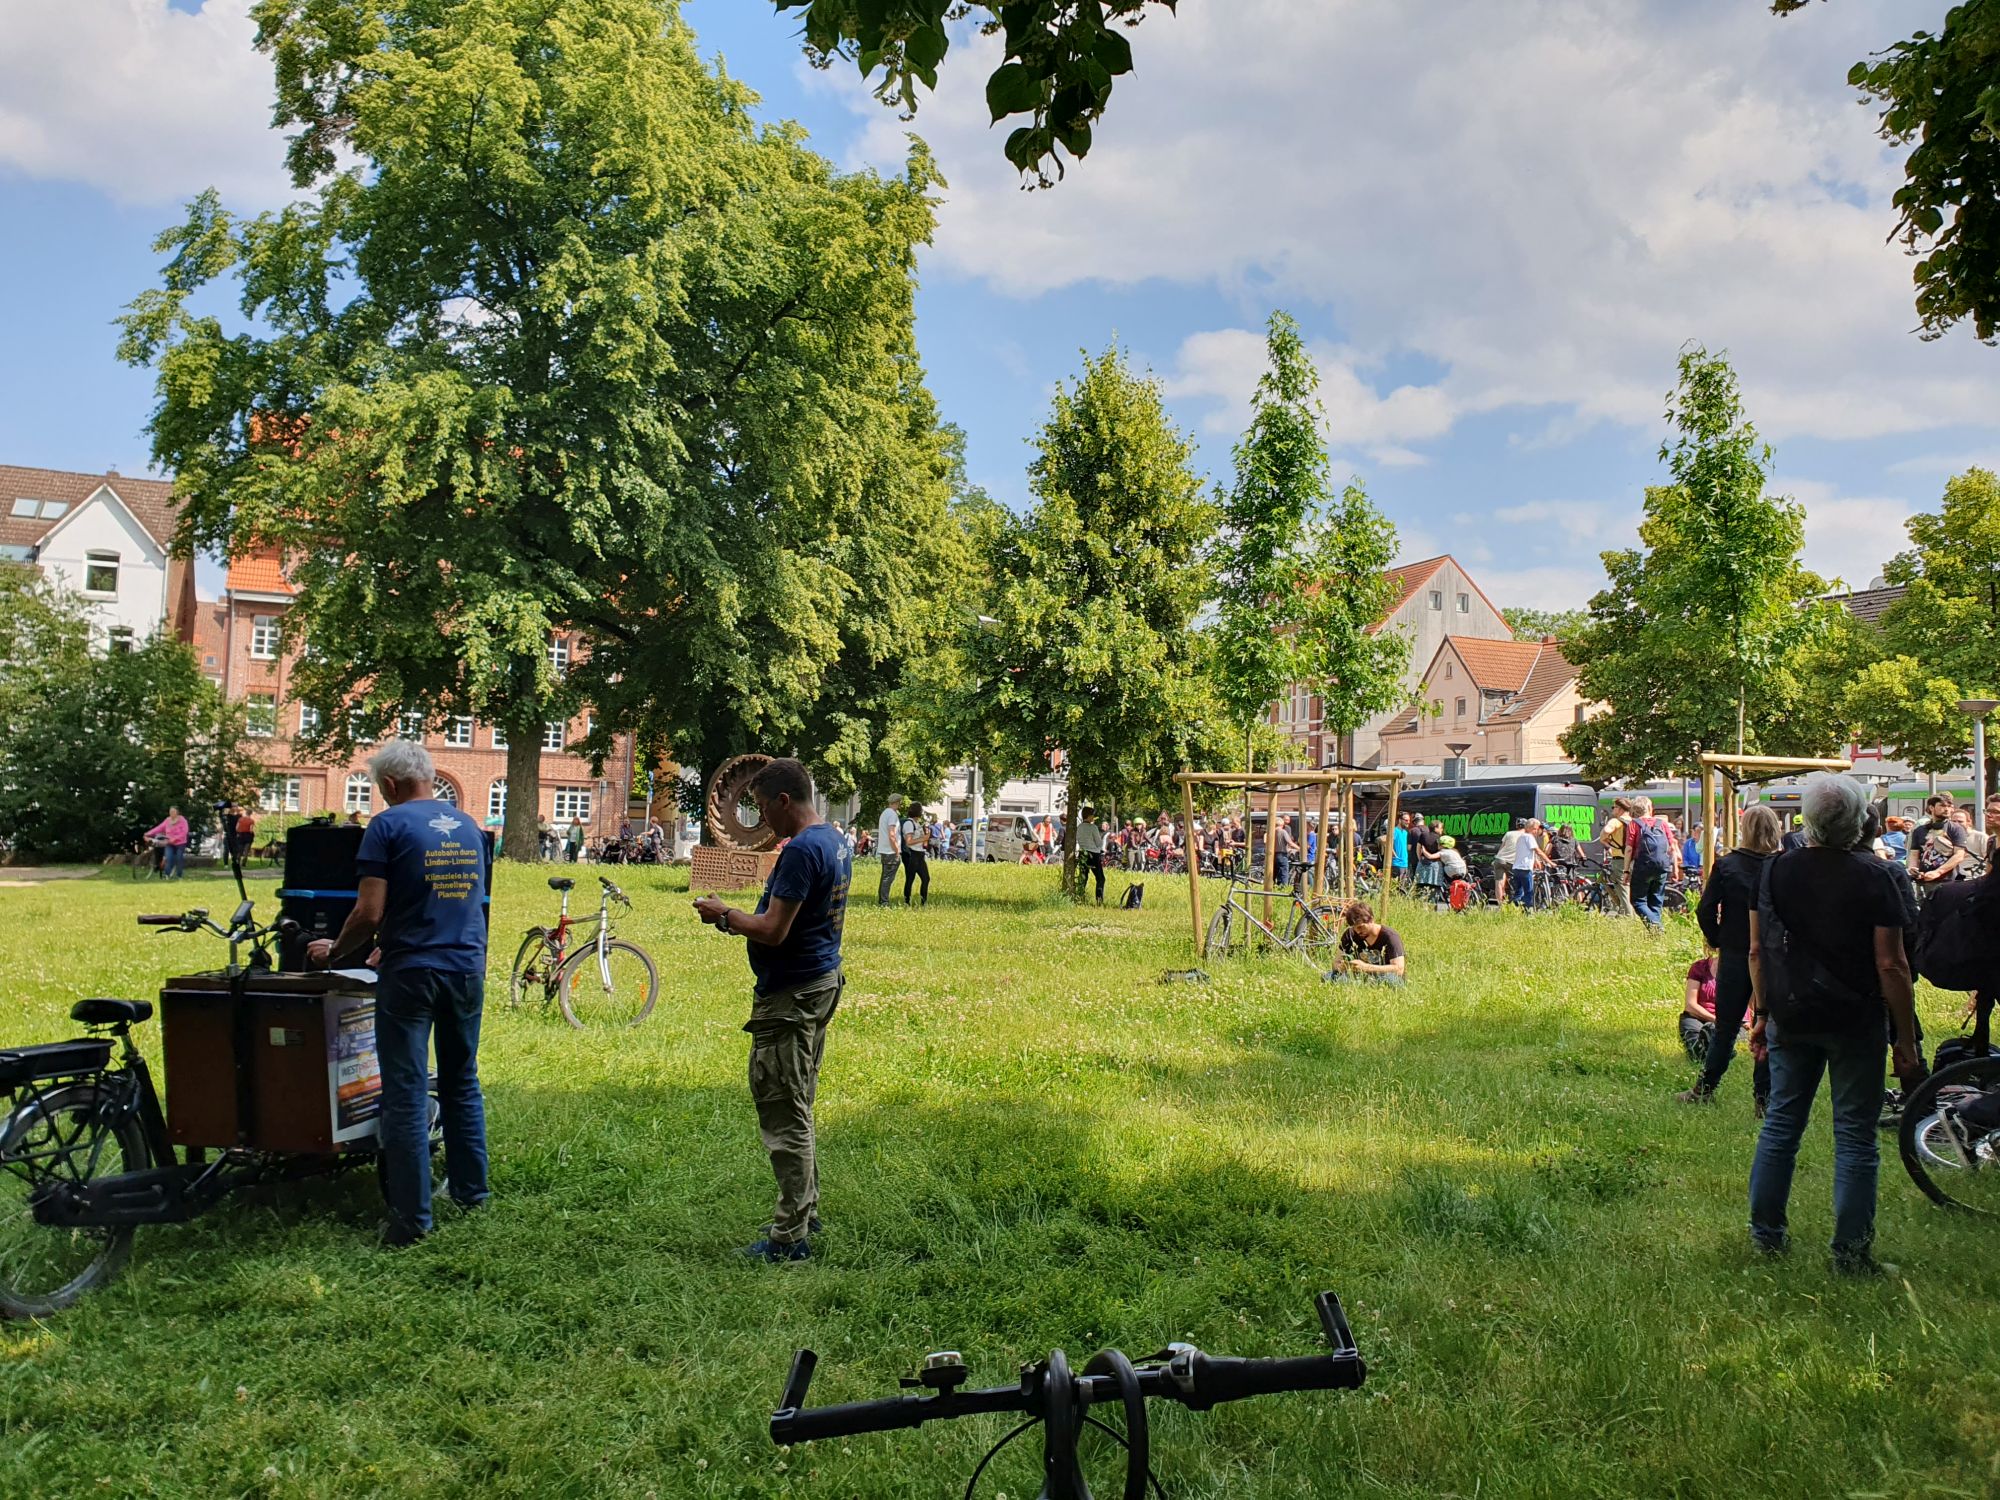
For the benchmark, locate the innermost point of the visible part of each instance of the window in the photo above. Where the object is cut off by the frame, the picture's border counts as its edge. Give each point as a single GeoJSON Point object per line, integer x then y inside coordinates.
{"type": "Point", "coordinates": [264, 637]}
{"type": "Point", "coordinates": [308, 721]}
{"type": "Point", "coordinates": [121, 639]}
{"type": "Point", "coordinates": [43, 510]}
{"type": "Point", "coordinates": [446, 791]}
{"type": "Point", "coordinates": [15, 552]}
{"type": "Point", "coordinates": [572, 802]}
{"type": "Point", "coordinates": [1461, 709]}
{"type": "Point", "coordinates": [410, 726]}
{"type": "Point", "coordinates": [1465, 604]}
{"type": "Point", "coordinates": [499, 738]}
{"type": "Point", "coordinates": [589, 725]}
{"type": "Point", "coordinates": [1448, 673]}
{"type": "Point", "coordinates": [496, 799]}
{"type": "Point", "coordinates": [559, 655]}
{"type": "Point", "coordinates": [458, 732]}
{"type": "Point", "coordinates": [260, 715]}
{"type": "Point", "coordinates": [280, 794]}
{"type": "Point", "coordinates": [1437, 598]}
{"type": "Point", "coordinates": [100, 572]}
{"type": "Point", "coordinates": [358, 728]}
{"type": "Point", "coordinates": [360, 793]}
{"type": "Point", "coordinates": [552, 735]}
{"type": "Point", "coordinates": [1499, 760]}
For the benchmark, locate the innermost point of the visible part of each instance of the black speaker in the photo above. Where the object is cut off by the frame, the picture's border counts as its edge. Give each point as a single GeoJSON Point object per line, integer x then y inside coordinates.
{"type": "Point", "coordinates": [319, 887]}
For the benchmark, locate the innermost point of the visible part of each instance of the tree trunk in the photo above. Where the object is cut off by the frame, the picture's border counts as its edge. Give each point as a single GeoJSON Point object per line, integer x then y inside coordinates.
{"type": "Point", "coordinates": [1739, 718]}
{"type": "Point", "coordinates": [1249, 769]}
{"type": "Point", "coordinates": [518, 836]}
{"type": "Point", "coordinates": [1072, 810]}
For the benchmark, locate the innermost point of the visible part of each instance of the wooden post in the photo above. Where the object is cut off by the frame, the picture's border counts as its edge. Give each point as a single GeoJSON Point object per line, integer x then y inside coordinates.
{"type": "Point", "coordinates": [1319, 849]}
{"type": "Point", "coordinates": [1388, 849]}
{"type": "Point", "coordinates": [1194, 867]}
{"type": "Point", "coordinates": [1348, 847]}
{"type": "Point", "coordinates": [1711, 827]}
{"type": "Point", "coordinates": [1270, 851]}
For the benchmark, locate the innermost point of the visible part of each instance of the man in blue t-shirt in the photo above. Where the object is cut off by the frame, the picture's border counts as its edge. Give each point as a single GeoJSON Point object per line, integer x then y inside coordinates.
{"type": "Point", "coordinates": [794, 950]}
{"type": "Point", "coordinates": [422, 901]}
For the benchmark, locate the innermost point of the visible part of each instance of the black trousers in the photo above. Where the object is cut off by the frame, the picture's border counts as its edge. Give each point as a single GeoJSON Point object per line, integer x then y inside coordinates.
{"type": "Point", "coordinates": [916, 866]}
{"type": "Point", "coordinates": [1732, 999]}
{"type": "Point", "coordinates": [1088, 864]}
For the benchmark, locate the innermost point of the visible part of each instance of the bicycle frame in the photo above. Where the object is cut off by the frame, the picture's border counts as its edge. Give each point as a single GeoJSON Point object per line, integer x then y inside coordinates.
{"type": "Point", "coordinates": [1239, 895]}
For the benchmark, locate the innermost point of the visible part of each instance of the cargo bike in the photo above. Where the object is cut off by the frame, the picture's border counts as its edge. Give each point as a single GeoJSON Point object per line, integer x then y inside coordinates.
{"type": "Point", "coordinates": [271, 1076]}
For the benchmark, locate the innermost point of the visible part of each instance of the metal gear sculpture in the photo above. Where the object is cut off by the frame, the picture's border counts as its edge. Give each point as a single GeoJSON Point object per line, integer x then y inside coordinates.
{"type": "Point", "coordinates": [726, 791]}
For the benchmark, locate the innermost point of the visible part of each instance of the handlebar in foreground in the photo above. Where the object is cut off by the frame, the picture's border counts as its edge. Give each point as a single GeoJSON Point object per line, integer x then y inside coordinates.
{"type": "Point", "coordinates": [1049, 1393]}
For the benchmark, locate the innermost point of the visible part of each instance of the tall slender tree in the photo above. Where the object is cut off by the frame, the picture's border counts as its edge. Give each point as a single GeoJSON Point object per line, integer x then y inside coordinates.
{"type": "Point", "coordinates": [1299, 571]}
{"type": "Point", "coordinates": [1089, 647]}
{"type": "Point", "coordinates": [1709, 616]}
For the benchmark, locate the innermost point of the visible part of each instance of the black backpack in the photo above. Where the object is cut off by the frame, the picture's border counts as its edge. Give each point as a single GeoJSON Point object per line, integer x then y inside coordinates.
{"type": "Point", "coordinates": [1799, 989]}
{"type": "Point", "coordinates": [1958, 935]}
{"type": "Point", "coordinates": [1135, 895]}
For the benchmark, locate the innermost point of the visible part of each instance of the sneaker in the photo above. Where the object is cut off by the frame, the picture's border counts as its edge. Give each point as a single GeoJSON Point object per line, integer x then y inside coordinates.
{"type": "Point", "coordinates": [395, 1236]}
{"type": "Point", "coordinates": [1762, 1106]}
{"type": "Point", "coordinates": [778, 1252]}
{"type": "Point", "coordinates": [1695, 1095]}
{"type": "Point", "coordinates": [1865, 1266]}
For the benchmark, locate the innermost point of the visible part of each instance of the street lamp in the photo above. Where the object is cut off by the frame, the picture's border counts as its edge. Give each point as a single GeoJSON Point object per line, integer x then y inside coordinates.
{"type": "Point", "coordinates": [1977, 709]}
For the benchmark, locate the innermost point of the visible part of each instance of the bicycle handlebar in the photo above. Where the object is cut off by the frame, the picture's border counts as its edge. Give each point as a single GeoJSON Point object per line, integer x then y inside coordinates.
{"type": "Point", "coordinates": [1179, 1373]}
{"type": "Point", "coordinates": [158, 919]}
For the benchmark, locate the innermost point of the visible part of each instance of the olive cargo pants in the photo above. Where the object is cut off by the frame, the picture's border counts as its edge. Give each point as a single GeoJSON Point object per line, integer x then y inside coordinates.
{"type": "Point", "coordinates": [787, 1039]}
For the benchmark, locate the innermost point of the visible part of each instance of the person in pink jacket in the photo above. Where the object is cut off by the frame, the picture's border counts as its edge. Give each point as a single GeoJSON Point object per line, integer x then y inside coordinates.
{"type": "Point", "coordinates": [172, 832]}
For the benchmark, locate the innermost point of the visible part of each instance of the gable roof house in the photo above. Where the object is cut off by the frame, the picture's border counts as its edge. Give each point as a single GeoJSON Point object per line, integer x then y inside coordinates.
{"type": "Point", "coordinates": [1434, 599]}
{"type": "Point", "coordinates": [1507, 700]}
{"type": "Point", "coordinates": [104, 537]}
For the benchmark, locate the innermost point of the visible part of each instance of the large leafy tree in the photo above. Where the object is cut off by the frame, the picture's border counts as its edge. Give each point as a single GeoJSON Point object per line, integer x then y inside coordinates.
{"type": "Point", "coordinates": [1697, 642]}
{"type": "Point", "coordinates": [95, 749]}
{"type": "Point", "coordinates": [1941, 640]}
{"type": "Point", "coordinates": [557, 341]}
{"type": "Point", "coordinates": [1299, 570]}
{"type": "Point", "coordinates": [1060, 59]}
{"type": "Point", "coordinates": [1534, 624]}
{"type": "Point", "coordinates": [1089, 646]}
{"type": "Point", "coordinates": [1940, 96]}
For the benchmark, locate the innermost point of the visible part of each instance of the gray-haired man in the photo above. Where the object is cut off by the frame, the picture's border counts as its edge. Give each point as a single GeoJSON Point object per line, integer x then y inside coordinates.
{"type": "Point", "coordinates": [889, 844]}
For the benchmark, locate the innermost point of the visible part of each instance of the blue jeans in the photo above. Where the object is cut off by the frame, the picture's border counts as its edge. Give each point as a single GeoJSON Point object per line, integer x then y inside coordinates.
{"type": "Point", "coordinates": [1521, 888]}
{"type": "Point", "coordinates": [173, 859]}
{"type": "Point", "coordinates": [409, 1006]}
{"type": "Point", "coordinates": [1853, 1066]}
{"type": "Point", "coordinates": [1649, 898]}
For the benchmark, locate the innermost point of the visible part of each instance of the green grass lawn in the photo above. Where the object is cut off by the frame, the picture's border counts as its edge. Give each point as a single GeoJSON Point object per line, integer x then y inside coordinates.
{"type": "Point", "coordinates": [1028, 1140]}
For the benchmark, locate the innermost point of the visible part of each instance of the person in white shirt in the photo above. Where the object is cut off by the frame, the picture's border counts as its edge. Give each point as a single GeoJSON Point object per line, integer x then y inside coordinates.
{"type": "Point", "coordinates": [889, 844]}
{"type": "Point", "coordinates": [1090, 853]}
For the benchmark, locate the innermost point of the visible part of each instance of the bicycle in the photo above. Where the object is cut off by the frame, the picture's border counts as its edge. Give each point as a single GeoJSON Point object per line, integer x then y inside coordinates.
{"type": "Point", "coordinates": [609, 982]}
{"type": "Point", "coordinates": [1304, 929]}
{"type": "Point", "coordinates": [1048, 1394]}
{"type": "Point", "coordinates": [1955, 1161]}
{"type": "Point", "coordinates": [149, 859]}
{"type": "Point", "coordinates": [85, 1153]}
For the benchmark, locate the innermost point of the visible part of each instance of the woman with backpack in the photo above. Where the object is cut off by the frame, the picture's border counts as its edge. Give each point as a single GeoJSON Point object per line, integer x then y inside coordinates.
{"type": "Point", "coordinates": [1724, 916]}
{"type": "Point", "coordinates": [1650, 860]}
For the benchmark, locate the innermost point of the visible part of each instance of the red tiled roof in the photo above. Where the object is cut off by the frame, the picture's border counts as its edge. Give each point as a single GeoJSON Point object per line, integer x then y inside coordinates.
{"type": "Point", "coordinates": [1529, 672]}
{"type": "Point", "coordinates": [260, 573]}
{"type": "Point", "coordinates": [151, 501]}
{"type": "Point", "coordinates": [1550, 674]}
{"type": "Point", "coordinates": [1495, 666]}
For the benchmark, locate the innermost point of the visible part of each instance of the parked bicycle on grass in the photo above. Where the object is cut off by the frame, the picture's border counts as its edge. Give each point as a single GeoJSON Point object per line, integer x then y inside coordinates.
{"type": "Point", "coordinates": [606, 981]}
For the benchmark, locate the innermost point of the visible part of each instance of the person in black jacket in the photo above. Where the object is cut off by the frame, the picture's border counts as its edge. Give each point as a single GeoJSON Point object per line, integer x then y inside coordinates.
{"type": "Point", "coordinates": [1724, 914]}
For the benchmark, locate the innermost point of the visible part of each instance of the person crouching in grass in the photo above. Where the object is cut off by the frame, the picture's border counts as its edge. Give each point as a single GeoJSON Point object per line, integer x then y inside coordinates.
{"type": "Point", "coordinates": [1369, 952]}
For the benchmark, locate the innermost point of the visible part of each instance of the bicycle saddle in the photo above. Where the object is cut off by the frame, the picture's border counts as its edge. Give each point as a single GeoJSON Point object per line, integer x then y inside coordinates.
{"type": "Point", "coordinates": [111, 1012]}
{"type": "Point", "coordinates": [561, 883]}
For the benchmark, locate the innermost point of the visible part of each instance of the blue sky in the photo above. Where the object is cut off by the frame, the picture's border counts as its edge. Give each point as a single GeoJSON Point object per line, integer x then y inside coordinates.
{"type": "Point", "coordinates": [1497, 225]}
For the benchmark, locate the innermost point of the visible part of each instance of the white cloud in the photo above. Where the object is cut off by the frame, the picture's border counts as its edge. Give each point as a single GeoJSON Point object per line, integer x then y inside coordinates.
{"type": "Point", "coordinates": [1944, 465]}
{"type": "Point", "coordinates": [1615, 523]}
{"type": "Point", "coordinates": [1848, 537]}
{"type": "Point", "coordinates": [1553, 586]}
{"type": "Point", "coordinates": [146, 103]}
{"type": "Point", "coordinates": [1545, 199]}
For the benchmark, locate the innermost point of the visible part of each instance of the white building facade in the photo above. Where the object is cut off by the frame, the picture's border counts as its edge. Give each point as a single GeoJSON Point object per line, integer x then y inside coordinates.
{"type": "Point", "coordinates": [104, 538]}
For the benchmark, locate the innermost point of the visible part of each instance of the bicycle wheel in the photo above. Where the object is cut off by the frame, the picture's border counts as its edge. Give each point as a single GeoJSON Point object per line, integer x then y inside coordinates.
{"type": "Point", "coordinates": [1222, 931]}
{"type": "Point", "coordinates": [1952, 1159]}
{"type": "Point", "coordinates": [1317, 931]}
{"type": "Point", "coordinates": [64, 1136]}
{"type": "Point", "coordinates": [534, 967]}
{"type": "Point", "coordinates": [618, 992]}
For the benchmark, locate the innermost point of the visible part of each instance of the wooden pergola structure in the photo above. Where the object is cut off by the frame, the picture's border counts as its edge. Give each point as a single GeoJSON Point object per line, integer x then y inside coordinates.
{"type": "Point", "coordinates": [1722, 775]}
{"type": "Point", "coordinates": [1274, 784]}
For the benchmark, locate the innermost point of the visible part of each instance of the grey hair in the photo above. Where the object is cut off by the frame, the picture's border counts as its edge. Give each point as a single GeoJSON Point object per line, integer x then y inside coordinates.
{"type": "Point", "coordinates": [401, 761]}
{"type": "Point", "coordinates": [1643, 806]}
{"type": "Point", "coordinates": [1835, 810]}
{"type": "Point", "coordinates": [1762, 832]}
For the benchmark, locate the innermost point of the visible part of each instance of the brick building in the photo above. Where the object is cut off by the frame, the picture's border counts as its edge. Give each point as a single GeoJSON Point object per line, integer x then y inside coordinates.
{"type": "Point", "coordinates": [239, 641]}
